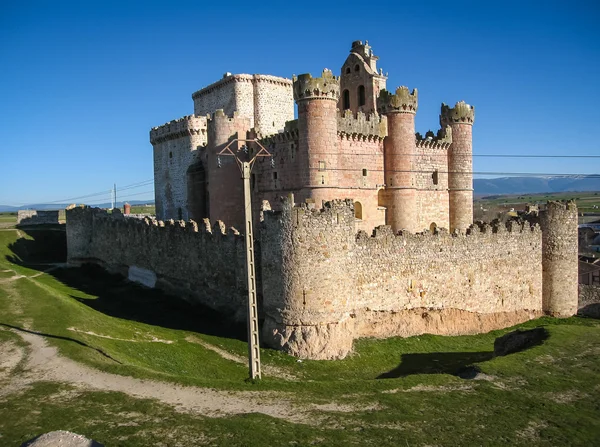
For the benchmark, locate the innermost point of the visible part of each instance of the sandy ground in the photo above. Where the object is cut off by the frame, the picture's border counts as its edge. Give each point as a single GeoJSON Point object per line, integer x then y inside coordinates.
{"type": "Point", "coordinates": [44, 364]}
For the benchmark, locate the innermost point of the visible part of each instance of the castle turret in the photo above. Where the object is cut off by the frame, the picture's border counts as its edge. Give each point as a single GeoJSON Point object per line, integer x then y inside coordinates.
{"type": "Point", "coordinates": [559, 259]}
{"type": "Point", "coordinates": [460, 163]}
{"type": "Point", "coordinates": [399, 152]}
{"type": "Point", "coordinates": [317, 137]}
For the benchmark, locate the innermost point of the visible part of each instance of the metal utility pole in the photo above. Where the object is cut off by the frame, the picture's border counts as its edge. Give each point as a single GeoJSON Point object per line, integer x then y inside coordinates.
{"type": "Point", "coordinates": [246, 169]}
{"type": "Point", "coordinates": [116, 196]}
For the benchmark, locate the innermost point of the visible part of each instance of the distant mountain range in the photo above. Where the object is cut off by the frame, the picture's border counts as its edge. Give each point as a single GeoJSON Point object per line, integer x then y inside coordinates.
{"type": "Point", "coordinates": [482, 186]}
{"type": "Point", "coordinates": [61, 206]}
{"type": "Point", "coordinates": [532, 185]}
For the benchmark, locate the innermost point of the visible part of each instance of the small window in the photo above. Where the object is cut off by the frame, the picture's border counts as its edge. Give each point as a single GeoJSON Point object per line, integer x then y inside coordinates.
{"type": "Point", "coordinates": [322, 166]}
{"type": "Point", "coordinates": [365, 172]}
{"type": "Point", "coordinates": [346, 99]}
{"type": "Point", "coordinates": [253, 182]}
{"type": "Point", "coordinates": [275, 175]}
{"type": "Point", "coordinates": [358, 210]}
{"type": "Point", "coordinates": [347, 70]}
{"type": "Point", "coordinates": [170, 154]}
{"type": "Point", "coordinates": [435, 177]}
{"type": "Point", "coordinates": [357, 67]}
{"type": "Point", "coordinates": [322, 180]}
{"type": "Point", "coordinates": [361, 95]}
{"type": "Point", "coordinates": [179, 213]}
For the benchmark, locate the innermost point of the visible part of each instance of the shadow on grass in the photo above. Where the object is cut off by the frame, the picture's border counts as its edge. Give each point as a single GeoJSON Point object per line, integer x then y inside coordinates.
{"type": "Point", "coordinates": [59, 337]}
{"type": "Point", "coordinates": [116, 296]}
{"type": "Point", "coordinates": [456, 363]}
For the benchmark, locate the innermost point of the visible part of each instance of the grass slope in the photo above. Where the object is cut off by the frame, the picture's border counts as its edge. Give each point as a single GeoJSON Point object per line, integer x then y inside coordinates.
{"type": "Point", "coordinates": [546, 395]}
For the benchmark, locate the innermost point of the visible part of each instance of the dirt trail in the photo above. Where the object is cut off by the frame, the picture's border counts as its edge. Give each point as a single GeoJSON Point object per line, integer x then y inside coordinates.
{"type": "Point", "coordinates": [44, 364]}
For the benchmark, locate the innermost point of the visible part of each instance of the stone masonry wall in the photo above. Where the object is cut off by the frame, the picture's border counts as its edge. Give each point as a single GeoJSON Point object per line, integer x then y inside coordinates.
{"type": "Point", "coordinates": [176, 146]}
{"type": "Point", "coordinates": [35, 217]}
{"type": "Point", "coordinates": [266, 100]}
{"type": "Point", "coordinates": [334, 285]}
{"type": "Point", "coordinates": [191, 260]}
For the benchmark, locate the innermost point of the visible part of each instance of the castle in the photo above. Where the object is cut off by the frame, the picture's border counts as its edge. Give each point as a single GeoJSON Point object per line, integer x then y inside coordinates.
{"type": "Point", "coordinates": [352, 139]}
{"type": "Point", "coordinates": [328, 270]}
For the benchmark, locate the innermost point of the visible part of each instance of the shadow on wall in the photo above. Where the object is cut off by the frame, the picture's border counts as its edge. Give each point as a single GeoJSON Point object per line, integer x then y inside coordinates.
{"type": "Point", "coordinates": [114, 295]}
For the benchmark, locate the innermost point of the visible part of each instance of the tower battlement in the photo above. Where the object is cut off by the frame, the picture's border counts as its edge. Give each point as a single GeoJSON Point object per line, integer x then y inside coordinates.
{"type": "Point", "coordinates": [403, 101]}
{"type": "Point", "coordinates": [462, 113]}
{"type": "Point", "coordinates": [325, 87]}
{"type": "Point", "coordinates": [186, 126]}
{"type": "Point", "coordinates": [369, 125]}
{"type": "Point", "coordinates": [441, 140]}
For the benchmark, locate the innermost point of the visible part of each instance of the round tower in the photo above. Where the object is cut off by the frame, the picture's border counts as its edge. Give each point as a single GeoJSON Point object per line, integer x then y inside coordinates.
{"type": "Point", "coordinates": [317, 134]}
{"type": "Point", "coordinates": [460, 163]}
{"type": "Point", "coordinates": [399, 149]}
{"type": "Point", "coordinates": [559, 259]}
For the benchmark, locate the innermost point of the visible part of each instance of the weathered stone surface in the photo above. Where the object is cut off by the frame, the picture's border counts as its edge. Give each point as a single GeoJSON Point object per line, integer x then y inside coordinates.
{"type": "Point", "coordinates": [61, 438]}
{"type": "Point", "coordinates": [519, 340]}
{"type": "Point", "coordinates": [36, 217]}
{"type": "Point", "coordinates": [589, 301]}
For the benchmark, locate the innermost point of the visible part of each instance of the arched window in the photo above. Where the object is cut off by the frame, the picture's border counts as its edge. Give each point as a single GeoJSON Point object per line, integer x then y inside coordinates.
{"type": "Point", "coordinates": [358, 210]}
{"type": "Point", "coordinates": [361, 95]}
{"type": "Point", "coordinates": [347, 70]}
{"type": "Point", "coordinates": [346, 99]}
{"type": "Point", "coordinates": [433, 227]}
{"type": "Point", "coordinates": [357, 67]}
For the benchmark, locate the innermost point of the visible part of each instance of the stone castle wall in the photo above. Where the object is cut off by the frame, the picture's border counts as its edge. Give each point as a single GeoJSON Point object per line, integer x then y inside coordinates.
{"type": "Point", "coordinates": [266, 100]}
{"type": "Point", "coordinates": [37, 217]}
{"type": "Point", "coordinates": [194, 261]}
{"type": "Point", "coordinates": [335, 285]}
{"type": "Point", "coordinates": [176, 147]}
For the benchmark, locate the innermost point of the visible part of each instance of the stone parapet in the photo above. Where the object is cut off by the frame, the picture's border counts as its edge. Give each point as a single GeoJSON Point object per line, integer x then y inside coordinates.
{"type": "Point", "coordinates": [194, 260]}
{"type": "Point", "coordinates": [229, 78]}
{"type": "Point", "coordinates": [326, 87]}
{"type": "Point", "coordinates": [186, 126]}
{"type": "Point", "coordinates": [361, 125]}
{"type": "Point", "coordinates": [403, 101]}
{"type": "Point", "coordinates": [461, 113]}
{"type": "Point", "coordinates": [441, 140]}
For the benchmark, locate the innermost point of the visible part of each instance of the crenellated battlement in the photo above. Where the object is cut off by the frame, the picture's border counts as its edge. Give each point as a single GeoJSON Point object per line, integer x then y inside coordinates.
{"type": "Point", "coordinates": [229, 78]}
{"type": "Point", "coordinates": [403, 101]}
{"type": "Point", "coordinates": [188, 125]}
{"type": "Point", "coordinates": [461, 113]}
{"type": "Point", "coordinates": [441, 140]}
{"type": "Point", "coordinates": [326, 87]}
{"type": "Point", "coordinates": [365, 126]}
{"type": "Point", "coordinates": [289, 133]}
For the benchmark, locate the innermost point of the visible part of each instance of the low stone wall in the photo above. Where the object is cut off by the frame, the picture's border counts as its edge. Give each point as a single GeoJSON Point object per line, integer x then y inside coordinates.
{"type": "Point", "coordinates": [194, 261]}
{"type": "Point", "coordinates": [589, 301]}
{"type": "Point", "coordinates": [37, 217]}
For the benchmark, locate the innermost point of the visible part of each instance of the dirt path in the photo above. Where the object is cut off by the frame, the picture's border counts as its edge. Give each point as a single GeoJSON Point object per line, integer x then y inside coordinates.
{"type": "Point", "coordinates": [44, 364]}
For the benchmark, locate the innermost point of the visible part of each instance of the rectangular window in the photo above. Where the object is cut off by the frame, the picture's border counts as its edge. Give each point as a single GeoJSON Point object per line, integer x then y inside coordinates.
{"type": "Point", "coordinates": [275, 175]}
{"type": "Point", "coordinates": [322, 166]}
{"type": "Point", "coordinates": [364, 172]}
{"type": "Point", "coordinates": [434, 177]}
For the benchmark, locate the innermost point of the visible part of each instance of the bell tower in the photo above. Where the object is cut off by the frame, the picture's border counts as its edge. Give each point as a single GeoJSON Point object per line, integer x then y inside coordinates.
{"type": "Point", "coordinates": [360, 83]}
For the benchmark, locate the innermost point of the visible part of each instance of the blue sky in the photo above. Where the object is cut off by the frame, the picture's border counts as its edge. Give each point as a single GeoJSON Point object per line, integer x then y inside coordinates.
{"type": "Point", "coordinates": [82, 83]}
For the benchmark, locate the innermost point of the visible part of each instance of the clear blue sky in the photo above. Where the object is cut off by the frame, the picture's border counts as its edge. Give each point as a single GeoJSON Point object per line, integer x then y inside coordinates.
{"type": "Point", "coordinates": [81, 83]}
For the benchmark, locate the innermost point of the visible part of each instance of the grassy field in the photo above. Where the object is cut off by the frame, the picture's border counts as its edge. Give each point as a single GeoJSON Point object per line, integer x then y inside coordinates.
{"type": "Point", "coordinates": [387, 392]}
{"type": "Point", "coordinates": [586, 201]}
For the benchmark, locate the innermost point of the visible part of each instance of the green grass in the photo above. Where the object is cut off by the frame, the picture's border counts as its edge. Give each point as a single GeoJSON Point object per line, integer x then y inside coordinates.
{"type": "Point", "coordinates": [546, 395]}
